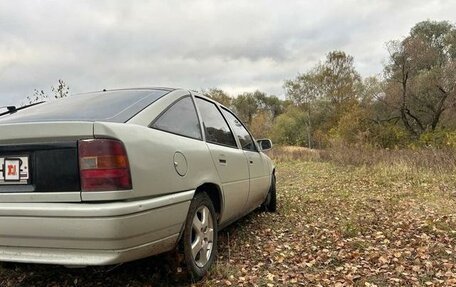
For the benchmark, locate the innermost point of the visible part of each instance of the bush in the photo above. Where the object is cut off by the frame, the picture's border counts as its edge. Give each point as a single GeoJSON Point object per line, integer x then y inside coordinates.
{"type": "Point", "coordinates": [388, 135]}
{"type": "Point", "coordinates": [290, 129]}
{"type": "Point", "coordinates": [438, 139]}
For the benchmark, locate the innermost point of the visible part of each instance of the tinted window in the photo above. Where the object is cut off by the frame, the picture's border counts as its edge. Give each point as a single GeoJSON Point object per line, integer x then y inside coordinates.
{"type": "Point", "coordinates": [215, 127]}
{"type": "Point", "coordinates": [180, 119]}
{"type": "Point", "coordinates": [240, 131]}
{"type": "Point", "coordinates": [113, 106]}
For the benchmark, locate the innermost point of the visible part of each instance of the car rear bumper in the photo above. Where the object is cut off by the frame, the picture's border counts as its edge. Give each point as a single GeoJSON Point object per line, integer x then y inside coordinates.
{"type": "Point", "coordinates": [91, 233]}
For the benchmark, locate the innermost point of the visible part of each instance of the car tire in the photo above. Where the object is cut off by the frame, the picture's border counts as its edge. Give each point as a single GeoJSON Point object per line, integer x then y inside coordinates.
{"type": "Point", "coordinates": [200, 236]}
{"type": "Point", "coordinates": [270, 203]}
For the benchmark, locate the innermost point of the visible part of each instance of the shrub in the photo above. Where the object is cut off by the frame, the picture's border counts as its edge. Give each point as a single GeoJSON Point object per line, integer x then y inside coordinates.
{"type": "Point", "coordinates": [438, 139]}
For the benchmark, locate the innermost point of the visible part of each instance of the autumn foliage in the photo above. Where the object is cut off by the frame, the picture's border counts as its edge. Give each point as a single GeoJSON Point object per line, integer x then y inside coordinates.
{"type": "Point", "coordinates": [411, 105]}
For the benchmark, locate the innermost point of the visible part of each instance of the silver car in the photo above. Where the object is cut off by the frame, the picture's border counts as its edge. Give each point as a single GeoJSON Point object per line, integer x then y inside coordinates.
{"type": "Point", "coordinates": [112, 176]}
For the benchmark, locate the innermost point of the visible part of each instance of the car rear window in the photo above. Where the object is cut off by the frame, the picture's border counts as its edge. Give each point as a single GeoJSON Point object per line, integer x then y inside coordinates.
{"type": "Point", "coordinates": [112, 106]}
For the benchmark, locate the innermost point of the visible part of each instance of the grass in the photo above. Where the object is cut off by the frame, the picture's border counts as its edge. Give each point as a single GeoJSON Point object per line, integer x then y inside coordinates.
{"type": "Point", "coordinates": [339, 223]}
{"type": "Point", "coordinates": [292, 153]}
{"type": "Point", "coordinates": [439, 160]}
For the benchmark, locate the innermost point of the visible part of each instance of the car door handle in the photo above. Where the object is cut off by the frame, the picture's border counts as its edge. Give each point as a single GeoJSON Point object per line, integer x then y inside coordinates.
{"type": "Point", "coordinates": [251, 161]}
{"type": "Point", "coordinates": [223, 161]}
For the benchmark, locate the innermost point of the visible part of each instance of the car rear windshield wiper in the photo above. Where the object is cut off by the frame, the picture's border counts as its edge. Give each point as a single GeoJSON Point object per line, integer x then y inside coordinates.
{"type": "Point", "coordinates": [13, 109]}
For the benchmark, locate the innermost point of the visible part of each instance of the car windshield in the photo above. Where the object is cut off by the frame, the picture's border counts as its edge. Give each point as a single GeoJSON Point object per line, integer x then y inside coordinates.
{"type": "Point", "coordinates": [113, 106]}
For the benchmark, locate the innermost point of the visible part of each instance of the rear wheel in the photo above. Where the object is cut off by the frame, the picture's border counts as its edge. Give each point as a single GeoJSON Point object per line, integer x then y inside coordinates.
{"type": "Point", "coordinates": [200, 236]}
{"type": "Point", "coordinates": [270, 203]}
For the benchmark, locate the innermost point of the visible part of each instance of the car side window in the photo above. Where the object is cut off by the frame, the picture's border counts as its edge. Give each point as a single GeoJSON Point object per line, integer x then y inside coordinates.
{"type": "Point", "coordinates": [240, 131]}
{"type": "Point", "coordinates": [181, 119]}
{"type": "Point", "coordinates": [215, 127]}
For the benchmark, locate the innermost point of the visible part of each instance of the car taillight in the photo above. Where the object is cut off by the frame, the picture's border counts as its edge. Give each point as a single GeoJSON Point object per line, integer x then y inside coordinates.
{"type": "Point", "coordinates": [103, 165]}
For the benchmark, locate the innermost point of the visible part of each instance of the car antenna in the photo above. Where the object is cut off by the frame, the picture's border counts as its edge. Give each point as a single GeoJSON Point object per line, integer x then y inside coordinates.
{"type": "Point", "coordinates": [9, 108]}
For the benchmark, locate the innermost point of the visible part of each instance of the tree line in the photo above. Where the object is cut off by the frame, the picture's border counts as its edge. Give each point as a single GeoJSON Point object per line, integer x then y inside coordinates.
{"type": "Point", "coordinates": [413, 103]}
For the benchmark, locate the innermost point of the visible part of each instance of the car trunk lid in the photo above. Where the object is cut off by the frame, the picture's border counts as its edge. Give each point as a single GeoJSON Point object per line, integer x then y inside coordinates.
{"type": "Point", "coordinates": [39, 161]}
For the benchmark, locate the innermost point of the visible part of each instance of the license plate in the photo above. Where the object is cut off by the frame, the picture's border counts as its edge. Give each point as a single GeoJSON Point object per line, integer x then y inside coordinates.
{"type": "Point", "coordinates": [14, 170]}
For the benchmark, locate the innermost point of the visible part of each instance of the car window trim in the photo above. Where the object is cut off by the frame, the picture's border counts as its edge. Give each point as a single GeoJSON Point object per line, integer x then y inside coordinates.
{"type": "Point", "coordinates": [251, 137]}
{"type": "Point", "coordinates": [146, 106]}
{"type": "Point", "coordinates": [229, 127]}
{"type": "Point", "coordinates": [151, 125]}
{"type": "Point", "coordinates": [200, 118]}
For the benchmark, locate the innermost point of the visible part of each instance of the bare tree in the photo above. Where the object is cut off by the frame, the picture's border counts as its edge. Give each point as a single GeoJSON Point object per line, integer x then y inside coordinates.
{"type": "Point", "coordinates": [421, 75]}
{"type": "Point", "coordinates": [62, 90]}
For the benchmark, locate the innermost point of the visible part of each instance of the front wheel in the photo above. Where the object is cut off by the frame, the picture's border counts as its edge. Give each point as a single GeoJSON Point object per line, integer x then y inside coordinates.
{"type": "Point", "coordinates": [200, 236]}
{"type": "Point", "coordinates": [270, 203]}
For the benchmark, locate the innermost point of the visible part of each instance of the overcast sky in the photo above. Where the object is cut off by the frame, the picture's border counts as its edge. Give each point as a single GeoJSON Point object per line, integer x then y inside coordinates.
{"type": "Point", "coordinates": [233, 45]}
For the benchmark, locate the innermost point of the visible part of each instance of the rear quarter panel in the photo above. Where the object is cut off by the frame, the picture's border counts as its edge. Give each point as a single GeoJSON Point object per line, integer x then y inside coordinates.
{"type": "Point", "coordinates": [151, 157]}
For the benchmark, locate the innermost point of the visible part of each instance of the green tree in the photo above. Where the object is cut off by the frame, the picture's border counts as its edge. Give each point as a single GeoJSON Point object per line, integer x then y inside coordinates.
{"type": "Point", "coordinates": [246, 106]}
{"type": "Point", "coordinates": [325, 93]}
{"type": "Point", "coordinates": [257, 110]}
{"type": "Point", "coordinates": [268, 104]}
{"type": "Point", "coordinates": [268, 108]}
{"type": "Point", "coordinates": [261, 125]}
{"type": "Point", "coordinates": [339, 78]}
{"type": "Point", "coordinates": [303, 91]}
{"type": "Point", "coordinates": [287, 128]}
{"type": "Point", "coordinates": [219, 96]}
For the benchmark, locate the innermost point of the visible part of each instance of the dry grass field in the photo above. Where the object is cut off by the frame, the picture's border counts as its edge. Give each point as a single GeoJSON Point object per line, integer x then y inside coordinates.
{"type": "Point", "coordinates": [345, 218]}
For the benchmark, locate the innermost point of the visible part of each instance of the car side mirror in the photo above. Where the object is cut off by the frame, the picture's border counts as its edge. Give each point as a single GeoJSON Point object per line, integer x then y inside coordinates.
{"type": "Point", "coordinates": [265, 144]}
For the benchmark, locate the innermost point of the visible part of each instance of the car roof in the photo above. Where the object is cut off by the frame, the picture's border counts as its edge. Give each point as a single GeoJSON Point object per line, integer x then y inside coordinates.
{"type": "Point", "coordinates": [167, 89]}
{"type": "Point", "coordinates": [107, 105]}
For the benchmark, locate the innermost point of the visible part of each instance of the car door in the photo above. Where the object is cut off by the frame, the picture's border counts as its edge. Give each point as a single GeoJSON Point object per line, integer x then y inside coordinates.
{"type": "Point", "coordinates": [229, 160]}
{"type": "Point", "coordinates": [258, 180]}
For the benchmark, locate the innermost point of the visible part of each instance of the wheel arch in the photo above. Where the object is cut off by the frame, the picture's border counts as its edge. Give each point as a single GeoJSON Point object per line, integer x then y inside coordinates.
{"type": "Point", "coordinates": [215, 194]}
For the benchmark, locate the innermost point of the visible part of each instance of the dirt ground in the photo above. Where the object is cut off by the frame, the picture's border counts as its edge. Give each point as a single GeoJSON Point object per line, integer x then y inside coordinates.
{"type": "Point", "coordinates": [336, 226]}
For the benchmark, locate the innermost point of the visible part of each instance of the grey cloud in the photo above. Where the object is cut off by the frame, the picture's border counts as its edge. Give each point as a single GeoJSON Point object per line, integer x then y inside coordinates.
{"type": "Point", "coordinates": [234, 45]}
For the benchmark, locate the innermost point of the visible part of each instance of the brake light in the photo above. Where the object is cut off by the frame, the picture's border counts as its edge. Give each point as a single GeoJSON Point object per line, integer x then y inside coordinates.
{"type": "Point", "coordinates": [103, 165]}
